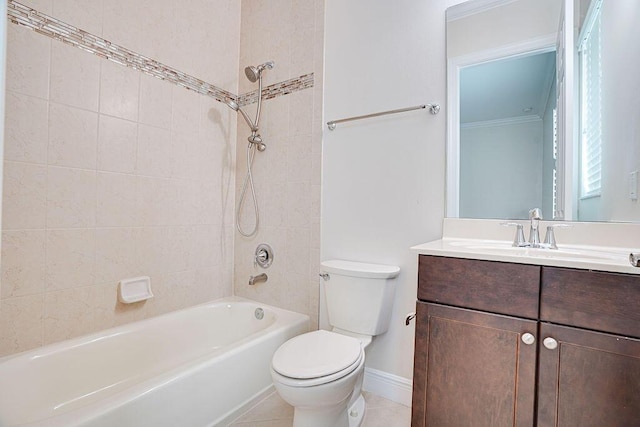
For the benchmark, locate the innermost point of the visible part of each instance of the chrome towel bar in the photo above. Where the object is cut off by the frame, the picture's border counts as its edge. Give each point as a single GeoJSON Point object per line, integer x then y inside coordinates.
{"type": "Point", "coordinates": [433, 109]}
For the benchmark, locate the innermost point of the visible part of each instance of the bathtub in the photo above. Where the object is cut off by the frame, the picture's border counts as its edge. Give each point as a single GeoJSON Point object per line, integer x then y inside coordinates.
{"type": "Point", "coordinates": [196, 367]}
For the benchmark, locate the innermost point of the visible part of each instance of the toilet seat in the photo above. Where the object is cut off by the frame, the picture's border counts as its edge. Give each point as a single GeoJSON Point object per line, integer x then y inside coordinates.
{"type": "Point", "coordinates": [316, 358]}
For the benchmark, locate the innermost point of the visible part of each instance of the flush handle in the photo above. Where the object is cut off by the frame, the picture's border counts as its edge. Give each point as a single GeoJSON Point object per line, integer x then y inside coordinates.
{"type": "Point", "coordinates": [409, 318]}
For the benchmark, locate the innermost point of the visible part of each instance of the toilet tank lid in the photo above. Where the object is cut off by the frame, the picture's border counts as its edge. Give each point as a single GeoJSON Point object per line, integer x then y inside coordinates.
{"type": "Point", "coordinates": [360, 269]}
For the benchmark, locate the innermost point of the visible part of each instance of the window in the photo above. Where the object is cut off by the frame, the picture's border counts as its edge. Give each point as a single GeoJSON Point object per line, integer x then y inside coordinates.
{"type": "Point", "coordinates": [591, 105]}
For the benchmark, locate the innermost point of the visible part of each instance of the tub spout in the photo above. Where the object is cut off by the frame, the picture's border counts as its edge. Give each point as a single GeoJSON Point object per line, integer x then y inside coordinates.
{"type": "Point", "coordinates": [259, 278]}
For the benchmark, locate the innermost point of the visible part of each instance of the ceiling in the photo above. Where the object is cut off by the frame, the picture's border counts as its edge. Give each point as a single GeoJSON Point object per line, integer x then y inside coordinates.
{"type": "Point", "coordinates": [505, 89]}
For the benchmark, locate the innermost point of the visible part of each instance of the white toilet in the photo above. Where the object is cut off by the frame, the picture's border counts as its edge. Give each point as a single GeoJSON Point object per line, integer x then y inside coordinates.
{"type": "Point", "coordinates": [320, 373]}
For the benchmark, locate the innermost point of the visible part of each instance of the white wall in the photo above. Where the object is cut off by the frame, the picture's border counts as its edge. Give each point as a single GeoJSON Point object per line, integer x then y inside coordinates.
{"type": "Point", "coordinates": [499, 160]}
{"type": "Point", "coordinates": [383, 179]}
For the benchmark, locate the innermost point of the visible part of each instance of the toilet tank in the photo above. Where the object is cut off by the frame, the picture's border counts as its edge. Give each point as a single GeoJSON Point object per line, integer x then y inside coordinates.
{"type": "Point", "coordinates": [359, 296]}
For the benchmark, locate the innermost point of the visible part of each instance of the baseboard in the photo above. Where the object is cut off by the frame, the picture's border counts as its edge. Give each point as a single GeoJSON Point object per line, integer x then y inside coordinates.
{"type": "Point", "coordinates": [389, 386]}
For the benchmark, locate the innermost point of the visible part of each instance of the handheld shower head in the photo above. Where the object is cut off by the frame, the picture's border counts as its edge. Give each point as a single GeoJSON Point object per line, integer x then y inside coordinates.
{"type": "Point", "coordinates": [235, 107]}
{"type": "Point", "coordinates": [254, 73]}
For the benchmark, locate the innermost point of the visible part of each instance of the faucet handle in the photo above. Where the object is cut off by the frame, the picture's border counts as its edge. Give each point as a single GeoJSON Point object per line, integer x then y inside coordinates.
{"type": "Point", "coordinates": [519, 241]}
{"type": "Point", "coordinates": [550, 237]}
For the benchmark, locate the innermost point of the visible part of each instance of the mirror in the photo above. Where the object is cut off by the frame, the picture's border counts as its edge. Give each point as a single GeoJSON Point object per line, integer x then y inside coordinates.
{"type": "Point", "coordinates": [519, 136]}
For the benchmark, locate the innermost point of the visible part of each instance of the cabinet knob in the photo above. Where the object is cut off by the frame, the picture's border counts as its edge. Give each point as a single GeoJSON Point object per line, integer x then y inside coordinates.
{"type": "Point", "coordinates": [550, 343]}
{"type": "Point", "coordinates": [528, 338]}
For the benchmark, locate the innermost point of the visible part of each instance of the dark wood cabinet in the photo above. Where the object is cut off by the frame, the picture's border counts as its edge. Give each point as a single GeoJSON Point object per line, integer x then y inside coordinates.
{"type": "Point", "coordinates": [590, 379]}
{"type": "Point", "coordinates": [472, 369]}
{"type": "Point", "coordinates": [475, 366]}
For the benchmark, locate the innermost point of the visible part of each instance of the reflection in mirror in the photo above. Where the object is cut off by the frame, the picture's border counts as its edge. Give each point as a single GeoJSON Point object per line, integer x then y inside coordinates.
{"type": "Point", "coordinates": [596, 177]}
{"type": "Point", "coordinates": [507, 115]}
{"type": "Point", "coordinates": [609, 99]}
{"type": "Point", "coordinates": [502, 101]}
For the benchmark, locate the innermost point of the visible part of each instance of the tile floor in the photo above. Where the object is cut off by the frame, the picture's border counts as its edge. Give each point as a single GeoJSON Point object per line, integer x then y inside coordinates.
{"type": "Point", "coordinates": [275, 412]}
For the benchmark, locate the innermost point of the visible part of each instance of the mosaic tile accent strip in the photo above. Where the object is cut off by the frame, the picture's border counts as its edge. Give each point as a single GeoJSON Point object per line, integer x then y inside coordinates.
{"type": "Point", "coordinates": [20, 14]}
{"type": "Point", "coordinates": [283, 88]}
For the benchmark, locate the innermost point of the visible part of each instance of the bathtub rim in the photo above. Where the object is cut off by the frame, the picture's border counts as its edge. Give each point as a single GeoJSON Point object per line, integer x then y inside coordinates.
{"type": "Point", "coordinates": [81, 339]}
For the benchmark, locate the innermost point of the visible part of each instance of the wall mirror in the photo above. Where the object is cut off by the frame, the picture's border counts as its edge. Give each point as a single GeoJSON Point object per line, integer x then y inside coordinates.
{"type": "Point", "coordinates": [543, 109]}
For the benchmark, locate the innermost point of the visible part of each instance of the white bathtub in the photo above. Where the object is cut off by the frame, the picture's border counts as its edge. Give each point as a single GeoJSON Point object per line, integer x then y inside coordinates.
{"type": "Point", "coordinates": [195, 367]}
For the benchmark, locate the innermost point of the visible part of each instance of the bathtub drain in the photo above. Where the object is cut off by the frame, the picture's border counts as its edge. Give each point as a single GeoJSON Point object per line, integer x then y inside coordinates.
{"type": "Point", "coordinates": [259, 313]}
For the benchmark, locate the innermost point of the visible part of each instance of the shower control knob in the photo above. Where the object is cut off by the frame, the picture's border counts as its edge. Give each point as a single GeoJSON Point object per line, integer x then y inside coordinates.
{"type": "Point", "coordinates": [263, 255]}
{"type": "Point", "coordinates": [528, 338]}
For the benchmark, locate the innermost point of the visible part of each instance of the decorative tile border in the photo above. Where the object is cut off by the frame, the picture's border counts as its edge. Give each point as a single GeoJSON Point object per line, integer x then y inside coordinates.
{"type": "Point", "coordinates": [283, 88]}
{"type": "Point", "coordinates": [20, 14]}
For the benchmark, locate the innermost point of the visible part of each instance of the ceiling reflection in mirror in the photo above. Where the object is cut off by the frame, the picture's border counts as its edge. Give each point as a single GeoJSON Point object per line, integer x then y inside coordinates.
{"type": "Point", "coordinates": [519, 136]}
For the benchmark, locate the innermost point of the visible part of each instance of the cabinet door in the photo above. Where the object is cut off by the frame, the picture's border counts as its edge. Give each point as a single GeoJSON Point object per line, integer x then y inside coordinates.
{"type": "Point", "coordinates": [472, 369]}
{"type": "Point", "coordinates": [588, 379]}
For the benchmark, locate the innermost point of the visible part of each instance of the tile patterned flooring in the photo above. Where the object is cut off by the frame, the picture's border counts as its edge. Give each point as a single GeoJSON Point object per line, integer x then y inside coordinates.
{"type": "Point", "coordinates": [275, 412]}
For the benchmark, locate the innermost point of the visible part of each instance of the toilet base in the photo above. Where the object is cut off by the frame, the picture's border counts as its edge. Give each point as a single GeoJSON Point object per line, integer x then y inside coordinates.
{"type": "Point", "coordinates": [356, 412]}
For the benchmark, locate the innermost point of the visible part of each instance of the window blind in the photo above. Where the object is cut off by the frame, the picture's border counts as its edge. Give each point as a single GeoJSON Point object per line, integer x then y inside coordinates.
{"type": "Point", "coordinates": [591, 108]}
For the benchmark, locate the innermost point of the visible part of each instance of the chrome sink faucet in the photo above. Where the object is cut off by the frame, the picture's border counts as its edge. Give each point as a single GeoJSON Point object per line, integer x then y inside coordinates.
{"type": "Point", "coordinates": [535, 215]}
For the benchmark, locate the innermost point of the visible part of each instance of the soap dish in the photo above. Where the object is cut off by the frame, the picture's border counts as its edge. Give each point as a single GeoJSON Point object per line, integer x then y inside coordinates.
{"type": "Point", "coordinates": [134, 290]}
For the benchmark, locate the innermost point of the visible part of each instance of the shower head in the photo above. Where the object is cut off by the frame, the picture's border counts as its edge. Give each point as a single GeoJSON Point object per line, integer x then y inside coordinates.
{"type": "Point", "coordinates": [254, 73]}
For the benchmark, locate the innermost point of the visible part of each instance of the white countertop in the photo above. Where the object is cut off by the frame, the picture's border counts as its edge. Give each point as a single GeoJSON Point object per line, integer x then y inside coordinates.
{"type": "Point", "coordinates": [468, 239]}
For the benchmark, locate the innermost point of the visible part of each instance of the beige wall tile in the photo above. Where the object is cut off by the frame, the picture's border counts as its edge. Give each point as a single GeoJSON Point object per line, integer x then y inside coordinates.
{"type": "Point", "coordinates": [289, 172]}
{"type": "Point", "coordinates": [21, 324]}
{"type": "Point", "coordinates": [156, 201]}
{"type": "Point", "coordinates": [23, 262]}
{"type": "Point", "coordinates": [116, 200]}
{"type": "Point", "coordinates": [154, 152]}
{"type": "Point", "coordinates": [155, 101]}
{"type": "Point", "coordinates": [185, 110]}
{"type": "Point", "coordinates": [299, 199]}
{"type": "Point", "coordinates": [71, 257]}
{"type": "Point", "coordinates": [24, 196]}
{"type": "Point", "coordinates": [71, 198]}
{"type": "Point", "coordinates": [299, 159]}
{"type": "Point", "coordinates": [302, 37]}
{"type": "Point", "coordinates": [83, 14]}
{"type": "Point", "coordinates": [68, 313]}
{"type": "Point", "coordinates": [185, 154]}
{"type": "Point", "coordinates": [75, 77]}
{"type": "Point", "coordinates": [28, 60]}
{"type": "Point", "coordinates": [73, 137]}
{"type": "Point", "coordinates": [301, 112]}
{"type": "Point", "coordinates": [164, 203]}
{"type": "Point", "coordinates": [115, 255]}
{"type": "Point", "coordinates": [117, 145]}
{"type": "Point", "coordinates": [152, 252]}
{"type": "Point", "coordinates": [109, 312]}
{"type": "Point", "coordinates": [26, 131]}
{"type": "Point", "coordinates": [44, 6]}
{"type": "Point", "coordinates": [119, 91]}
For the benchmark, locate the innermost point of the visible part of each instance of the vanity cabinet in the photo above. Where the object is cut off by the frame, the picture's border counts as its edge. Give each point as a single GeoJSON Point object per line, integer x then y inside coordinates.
{"type": "Point", "coordinates": [502, 344]}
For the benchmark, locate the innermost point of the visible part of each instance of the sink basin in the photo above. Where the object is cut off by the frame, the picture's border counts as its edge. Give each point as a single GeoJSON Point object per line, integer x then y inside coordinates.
{"type": "Point", "coordinates": [563, 252]}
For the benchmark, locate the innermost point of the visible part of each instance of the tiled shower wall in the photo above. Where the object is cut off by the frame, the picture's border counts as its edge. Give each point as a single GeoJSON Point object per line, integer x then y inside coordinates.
{"type": "Point", "coordinates": [287, 175]}
{"type": "Point", "coordinates": [110, 173]}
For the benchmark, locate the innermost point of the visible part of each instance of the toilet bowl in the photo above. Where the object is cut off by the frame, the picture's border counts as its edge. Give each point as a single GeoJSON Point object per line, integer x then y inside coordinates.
{"type": "Point", "coordinates": [317, 373]}
{"type": "Point", "coordinates": [320, 373]}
